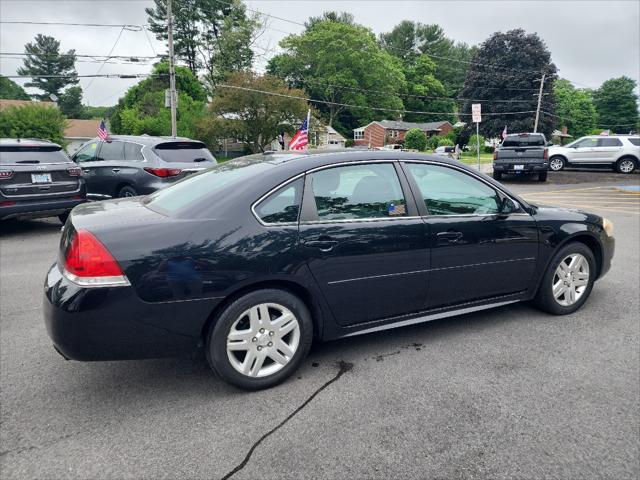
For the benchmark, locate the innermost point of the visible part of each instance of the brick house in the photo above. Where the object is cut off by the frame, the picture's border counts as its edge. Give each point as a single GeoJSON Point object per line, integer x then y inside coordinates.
{"type": "Point", "coordinates": [380, 133]}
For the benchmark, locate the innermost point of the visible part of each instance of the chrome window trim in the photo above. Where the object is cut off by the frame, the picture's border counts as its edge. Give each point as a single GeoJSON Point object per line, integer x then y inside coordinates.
{"type": "Point", "coordinates": [355, 220]}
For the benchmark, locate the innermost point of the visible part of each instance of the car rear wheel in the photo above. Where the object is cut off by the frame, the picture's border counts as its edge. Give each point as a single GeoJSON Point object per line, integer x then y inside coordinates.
{"type": "Point", "coordinates": [497, 175]}
{"type": "Point", "coordinates": [127, 192]}
{"type": "Point", "coordinates": [568, 280]}
{"type": "Point", "coordinates": [625, 165]}
{"type": "Point", "coordinates": [260, 339]}
{"type": "Point", "coordinates": [556, 164]}
{"type": "Point", "coordinates": [542, 176]}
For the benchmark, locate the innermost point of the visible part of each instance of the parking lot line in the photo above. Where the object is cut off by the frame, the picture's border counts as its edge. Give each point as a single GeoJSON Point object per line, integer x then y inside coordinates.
{"type": "Point", "coordinates": [605, 199]}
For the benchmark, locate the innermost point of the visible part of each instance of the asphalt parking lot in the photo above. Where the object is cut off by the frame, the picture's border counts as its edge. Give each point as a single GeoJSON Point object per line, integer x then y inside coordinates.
{"type": "Point", "coordinates": [505, 393]}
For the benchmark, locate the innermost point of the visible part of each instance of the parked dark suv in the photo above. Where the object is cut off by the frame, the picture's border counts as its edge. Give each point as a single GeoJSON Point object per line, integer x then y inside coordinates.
{"type": "Point", "coordinates": [37, 179]}
{"type": "Point", "coordinates": [127, 166]}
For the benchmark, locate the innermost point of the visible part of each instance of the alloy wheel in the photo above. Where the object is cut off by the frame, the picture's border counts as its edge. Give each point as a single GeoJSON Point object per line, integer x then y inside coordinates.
{"type": "Point", "coordinates": [263, 340]}
{"type": "Point", "coordinates": [556, 164]}
{"type": "Point", "coordinates": [627, 166]}
{"type": "Point", "coordinates": [571, 279]}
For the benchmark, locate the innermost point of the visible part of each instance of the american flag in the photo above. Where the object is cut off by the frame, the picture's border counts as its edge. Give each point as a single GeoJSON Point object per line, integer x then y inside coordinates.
{"type": "Point", "coordinates": [301, 139]}
{"type": "Point", "coordinates": [504, 132]}
{"type": "Point", "coordinates": [102, 132]}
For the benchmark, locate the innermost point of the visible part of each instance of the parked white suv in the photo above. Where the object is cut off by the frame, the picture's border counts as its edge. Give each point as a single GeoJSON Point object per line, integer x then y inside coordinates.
{"type": "Point", "coordinates": [621, 152]}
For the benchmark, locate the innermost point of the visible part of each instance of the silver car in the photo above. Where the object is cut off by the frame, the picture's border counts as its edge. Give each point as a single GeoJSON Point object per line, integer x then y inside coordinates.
{"type": "Point", "coordinates": [621, 152]}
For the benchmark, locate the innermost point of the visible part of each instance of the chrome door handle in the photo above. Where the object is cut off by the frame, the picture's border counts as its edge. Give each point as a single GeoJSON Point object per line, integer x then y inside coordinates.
{"type": "Point", "coordinates": [322, 245]}
{"type": "Point", "coordinates": [86, 170]}
{"type": "Point", "coordinates": [450, 236]}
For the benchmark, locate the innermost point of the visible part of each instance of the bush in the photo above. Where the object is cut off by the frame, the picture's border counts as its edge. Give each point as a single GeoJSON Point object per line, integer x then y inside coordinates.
{"type": "Point", "coordinates": [33, 121]}
{"type": "Point", "coordinates": [348, 142]}
{"type": "Point", "coordinates": [473, 142]}
{"type": "Point", "coordinates": [415, 139]}
{"type": "Point", "coordinates": [432, 142]}
{"type": "Point", "coordinates": [488, 149]}
{"type": "Point", "coordinates": [445, 142]}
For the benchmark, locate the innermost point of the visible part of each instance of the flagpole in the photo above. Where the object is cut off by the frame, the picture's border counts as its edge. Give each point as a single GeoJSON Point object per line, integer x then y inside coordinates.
{"type": "Point", "coordinates": [308, 127]}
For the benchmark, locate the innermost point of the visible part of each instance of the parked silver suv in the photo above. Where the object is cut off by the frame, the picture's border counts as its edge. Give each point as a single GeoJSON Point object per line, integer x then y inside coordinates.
{"type": "Point", "coordinates": [621, 152]}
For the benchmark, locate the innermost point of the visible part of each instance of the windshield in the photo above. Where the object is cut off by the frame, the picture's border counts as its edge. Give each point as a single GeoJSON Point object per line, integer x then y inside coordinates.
{"type": "Point", "coordinates": [32, 154]}
{"type": "Point", "coordinates": [200, 186]}
{"type": "Point", "coordinates": [184, 152]}
{"type": "Point", "coordinates": [524, 141]}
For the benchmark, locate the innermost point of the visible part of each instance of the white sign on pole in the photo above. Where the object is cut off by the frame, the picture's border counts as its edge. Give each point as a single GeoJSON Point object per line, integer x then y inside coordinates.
{"type": "Point", "coordinates": [476, 112]}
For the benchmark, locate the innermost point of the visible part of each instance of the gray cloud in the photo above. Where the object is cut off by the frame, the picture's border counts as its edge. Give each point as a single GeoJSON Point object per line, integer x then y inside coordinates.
{"type": "Point", "coordinates": [590, 41]}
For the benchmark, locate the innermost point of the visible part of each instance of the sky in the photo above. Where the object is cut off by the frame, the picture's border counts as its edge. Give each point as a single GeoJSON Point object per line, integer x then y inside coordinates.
{"type": "Point", "coordinates": [590, 41]}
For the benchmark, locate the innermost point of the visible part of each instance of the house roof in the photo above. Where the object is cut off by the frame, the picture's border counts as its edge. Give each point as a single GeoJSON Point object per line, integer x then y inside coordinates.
{"type": "Point", "coordinates": [81, 128]}
{"type": "Point", "coordinates": [558, 133]}
{"type": "Point", "coordinates": [4, 103]}
{"type": "Point", "coordinates": [401, 125]}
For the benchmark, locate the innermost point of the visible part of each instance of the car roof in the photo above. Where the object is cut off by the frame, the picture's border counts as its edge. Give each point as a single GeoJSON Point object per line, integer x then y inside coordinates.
{"type": "Point", "coordinates": [26, 142]}
{"type": "Point", "coordinates": [147, 139]}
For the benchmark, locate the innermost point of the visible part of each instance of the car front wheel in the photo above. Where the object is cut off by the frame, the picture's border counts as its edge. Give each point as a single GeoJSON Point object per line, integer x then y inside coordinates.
{"type": "Point", "coordinates": [260, 339]}
{"type": "Point", "coordinates": [568, 281]}
{"type": "Point", "coordinates": [556, 164]}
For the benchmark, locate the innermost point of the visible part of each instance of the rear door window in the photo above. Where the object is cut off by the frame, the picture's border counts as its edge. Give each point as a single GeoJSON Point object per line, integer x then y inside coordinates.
{"type": "Point", "coordinates": [17, 155]}
{"type": "Point", "coordinates": [111, 151]}
{"type": "Point", "coordinates": [133, 151]}
{"type": "Point", "coordinates": [183, 152]}
{"type": "Point", "coordinates": [609, 142]}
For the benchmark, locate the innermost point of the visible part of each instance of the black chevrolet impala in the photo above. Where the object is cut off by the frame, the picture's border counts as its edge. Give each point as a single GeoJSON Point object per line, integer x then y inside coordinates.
{"type": "Point", "coordinates": [255, 258]}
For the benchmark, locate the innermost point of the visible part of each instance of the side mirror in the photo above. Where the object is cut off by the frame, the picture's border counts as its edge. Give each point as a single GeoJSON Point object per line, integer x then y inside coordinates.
{"type": "Point", "coordinates": [508, 206]}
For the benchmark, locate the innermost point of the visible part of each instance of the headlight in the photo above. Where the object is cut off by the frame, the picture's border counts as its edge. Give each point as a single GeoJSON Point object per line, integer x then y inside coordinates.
{"type": "Point", "coordinates": [608, 226]}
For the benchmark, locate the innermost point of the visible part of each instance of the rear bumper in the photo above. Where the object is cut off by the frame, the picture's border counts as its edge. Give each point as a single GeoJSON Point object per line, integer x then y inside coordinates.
{"type": "Point", "coordinates": [39, 207]}
{"type": "Point", "coordinates": [526, 167]}
{"type": "Point", "coordinates": [112, 323]}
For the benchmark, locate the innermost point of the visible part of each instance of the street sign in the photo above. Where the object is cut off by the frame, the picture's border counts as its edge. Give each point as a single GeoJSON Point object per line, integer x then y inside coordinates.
{"type": "Point", "coordinates": [476, 112]}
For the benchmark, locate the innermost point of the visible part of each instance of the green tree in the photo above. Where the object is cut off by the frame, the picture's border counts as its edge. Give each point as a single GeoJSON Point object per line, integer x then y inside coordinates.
{"type": "Point", "coordinates": [70, 102]}
{"type": "Point", "coordinates": [33, 121]}
{"type": "Point", "coordinates": [214, 35]}
{"type": "Point", "coordinates": [617, 104]}
{"type": "Point", "coordinates": [10, 90]}
{"type": "Point", "coordinates": [574, 108]}
{"type": "Point", "coordinates": [341, 63]}
{"type": "Point", "coordinates": [142, 108]}
{"type": "Point", "coordinates": [508, 66]}
{"type": "Point", "coordinates": [474, 140]}
{"type": "Point", "coordinates": [51, 71]}
{"type": "Point", "coordinates": [415, 139]}
{"type": "Point", "coordinates": [409, 40]}
{"type": "Point", "coordinates": [255, 118]}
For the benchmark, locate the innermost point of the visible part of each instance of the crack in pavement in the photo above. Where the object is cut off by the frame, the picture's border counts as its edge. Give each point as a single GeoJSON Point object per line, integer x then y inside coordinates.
{"type": "Point", "coordinates": [343, 368]}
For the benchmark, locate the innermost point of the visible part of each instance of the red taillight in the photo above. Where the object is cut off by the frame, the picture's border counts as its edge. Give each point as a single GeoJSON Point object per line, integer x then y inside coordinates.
{"type": "Point", "coordinates": [5, 174]}
{"type": "Point", "coordinates": [74, 171]}
{"type": "Point", "coordinates": [545, 155]}
{"type": "Point", "coordinates": [89, 263]}
{"type": "Point", "coordinates": [163, 172]}
{"type": "Point", "coordinates": [7, 204]}
{"type": "Point", "coordinates": [495, 154]}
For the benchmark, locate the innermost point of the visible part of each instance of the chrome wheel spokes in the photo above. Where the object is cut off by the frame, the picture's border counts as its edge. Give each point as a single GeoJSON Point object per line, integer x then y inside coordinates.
{"type": "Point", "coordinates": [263, 340]}
{"type": "Point", "coordinates": [570, 279]}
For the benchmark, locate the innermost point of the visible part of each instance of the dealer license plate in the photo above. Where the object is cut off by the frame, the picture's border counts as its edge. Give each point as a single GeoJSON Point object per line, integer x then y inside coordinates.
{"type": "Point", "coordinates": [41, 178]}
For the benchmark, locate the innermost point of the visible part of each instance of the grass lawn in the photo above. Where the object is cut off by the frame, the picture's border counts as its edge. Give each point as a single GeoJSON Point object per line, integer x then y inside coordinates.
{"type": "Point", "coordinates": [472, 159]}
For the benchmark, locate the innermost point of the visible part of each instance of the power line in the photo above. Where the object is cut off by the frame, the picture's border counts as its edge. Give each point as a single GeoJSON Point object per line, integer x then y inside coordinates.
{"type": "Point", "coordinates": [102, 65]}
{"type": "Point", "coordinates": [326, 102]}
{"type": "Point", "coordinates": [104, 75]}
{"type": "Point", "coordinates": [598, 126]}
{"type": "Point", "coordinates": [131, 27]}
{"type": "Point", "coordinates": [85, 55]}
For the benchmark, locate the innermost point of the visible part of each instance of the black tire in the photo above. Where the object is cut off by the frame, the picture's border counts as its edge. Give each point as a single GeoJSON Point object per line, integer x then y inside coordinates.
{"type": "Point", "coordinates": [542, 176]}
{"type": "Point", "coordinates": [216, 347]}
{"type": "Point", "coordinates": [63, 217]}
{"type": "Point", "coordinates": [497, 175]}
{"type": "Point", "coordinates": [626, 165]}
{"type": "Point", "coordinates": [557, 163]}
{"type": "Point", "coordinates": [127, 191]}
{"type": "Point", "coordinates": [545, 299]}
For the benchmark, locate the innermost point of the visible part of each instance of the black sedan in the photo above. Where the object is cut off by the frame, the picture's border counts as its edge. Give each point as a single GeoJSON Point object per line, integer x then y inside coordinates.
{"type": "Point", "coordinates": [255, 258]}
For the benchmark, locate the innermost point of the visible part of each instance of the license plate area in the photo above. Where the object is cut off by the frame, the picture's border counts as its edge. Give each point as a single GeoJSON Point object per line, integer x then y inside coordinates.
{"type": "Point", "coordinates": [518, 167]}
{"type": "Point", "coordinates": [40, 178]}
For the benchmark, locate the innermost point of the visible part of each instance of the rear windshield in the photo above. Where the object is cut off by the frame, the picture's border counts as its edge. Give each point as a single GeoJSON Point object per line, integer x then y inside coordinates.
{"type": "Point", "coordinates": [198, 187]}
{"type": "Point", "coordinates": [635, 141]}
{"type": "Point", "coordinates": [524, 141]}
{"type": "Point", "coordinates": [32, 155]}
{"type": "Point", "coordinates": [184, 152]}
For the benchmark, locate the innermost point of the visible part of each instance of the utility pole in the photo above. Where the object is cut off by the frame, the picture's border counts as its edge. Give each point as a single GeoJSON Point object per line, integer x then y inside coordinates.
{"type": "Point", "coordinates": [172, 73]}
{"type": "Point", "coordinates": [535, 126]}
